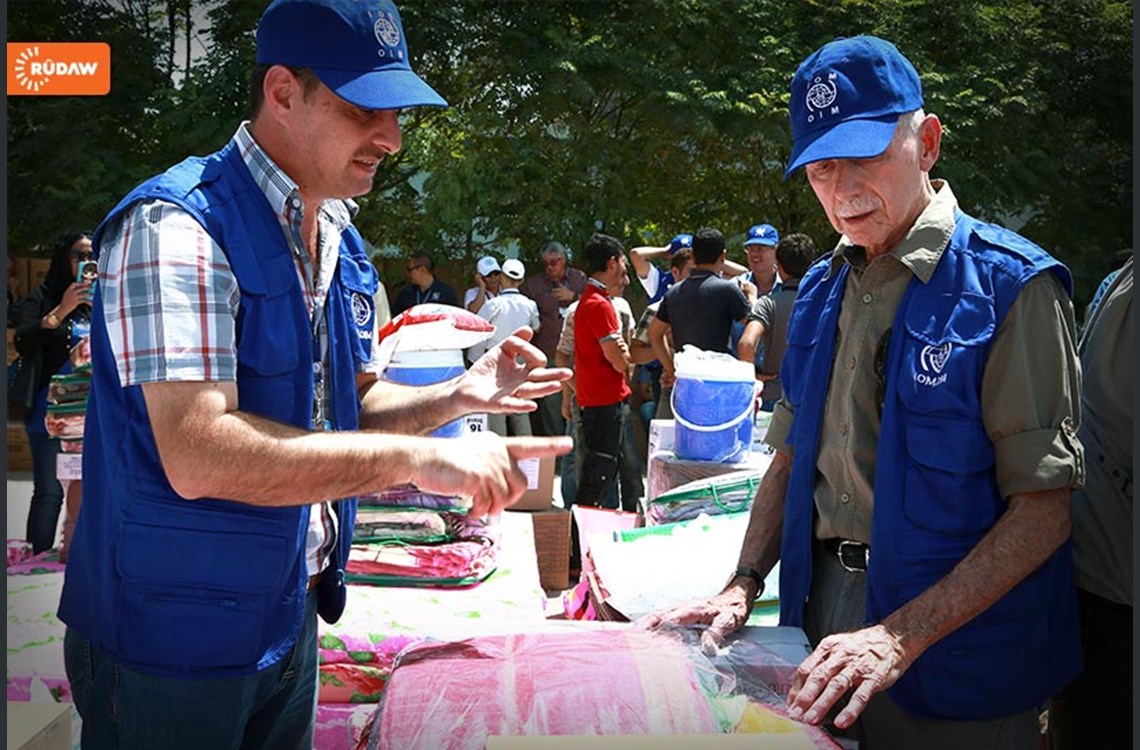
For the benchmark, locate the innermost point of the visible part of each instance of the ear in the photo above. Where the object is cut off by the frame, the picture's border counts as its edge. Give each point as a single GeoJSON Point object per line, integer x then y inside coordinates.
{"type": "Point", "coordinates": [930, 136]}
{"type": "Point", "coordinates": [282, 91]}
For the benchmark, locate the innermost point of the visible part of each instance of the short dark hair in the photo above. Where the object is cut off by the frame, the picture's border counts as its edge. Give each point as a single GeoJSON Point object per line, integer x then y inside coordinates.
{"type": "Point", "coordinates": [681, 259]}
{"type": "Point", "coordinates": [308, 79]}
{"type": "Point", "coordinates": [423, 259]}
{"type": "Point", "coordinates": [598, 251]}
{"type": "Point", "coordinates": [708, 244]}
{"type": "Point", "coordinates": [795, 253]}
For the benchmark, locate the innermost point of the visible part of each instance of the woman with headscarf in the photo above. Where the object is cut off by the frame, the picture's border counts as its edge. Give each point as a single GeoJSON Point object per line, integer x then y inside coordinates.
{"type": "Point", "coordinates": [54, 317]}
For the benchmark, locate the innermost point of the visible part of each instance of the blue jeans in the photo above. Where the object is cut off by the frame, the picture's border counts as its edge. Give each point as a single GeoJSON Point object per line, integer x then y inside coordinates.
{"type": "Point", "coordinates": [47, 492]}
{"type": "Point", "coordinates": [123, 708]}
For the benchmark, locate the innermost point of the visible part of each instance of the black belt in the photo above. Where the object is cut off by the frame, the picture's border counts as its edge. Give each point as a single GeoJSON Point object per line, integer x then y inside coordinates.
{"type": "Point", "coordinates": [854, 556]}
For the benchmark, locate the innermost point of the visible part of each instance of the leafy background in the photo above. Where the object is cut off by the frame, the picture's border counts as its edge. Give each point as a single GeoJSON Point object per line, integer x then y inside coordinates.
{"type": "Point", "coordinates": [642, 118]}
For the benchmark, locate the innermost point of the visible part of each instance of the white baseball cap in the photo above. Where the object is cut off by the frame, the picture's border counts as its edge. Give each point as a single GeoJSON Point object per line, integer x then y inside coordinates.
{"type": "Point", "coordinates": [487, 266]}
{"type": "Point", "coordinates": [514, 268]}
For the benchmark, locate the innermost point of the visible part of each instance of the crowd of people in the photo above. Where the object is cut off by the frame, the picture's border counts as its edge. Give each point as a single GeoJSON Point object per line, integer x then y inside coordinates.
{"type": "Point", "coordinates": [949, 495]}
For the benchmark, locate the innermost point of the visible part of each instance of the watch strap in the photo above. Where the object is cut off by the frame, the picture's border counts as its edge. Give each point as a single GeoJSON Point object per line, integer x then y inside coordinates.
{"type": "Point", "coordinates": [743, 571]}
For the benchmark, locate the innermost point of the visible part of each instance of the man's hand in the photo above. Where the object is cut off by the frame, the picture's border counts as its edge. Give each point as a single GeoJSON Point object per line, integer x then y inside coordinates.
{"type": "Point", "coordinates": [724, 613]}
{"type": "Point", "coordinates": [482, 467]}
{"type": "Point", "coordinates": [563, 294]}
{"type": "Point", "coordinates": [509, 377]}
{"type": "Point", "coordinates": [866, 661]}
{"type": "Point", "coordinates": [480, 282]}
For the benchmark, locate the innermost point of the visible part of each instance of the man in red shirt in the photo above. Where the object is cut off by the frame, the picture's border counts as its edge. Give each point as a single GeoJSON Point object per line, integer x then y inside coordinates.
{"type": "Point", "coordinates": [601, 361]}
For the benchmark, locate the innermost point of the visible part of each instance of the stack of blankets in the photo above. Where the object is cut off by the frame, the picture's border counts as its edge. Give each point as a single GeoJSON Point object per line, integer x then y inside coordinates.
{"type": "Point", "coordinates": [67, 400]}
{"type": "Point", "coordinates": [405, 537]}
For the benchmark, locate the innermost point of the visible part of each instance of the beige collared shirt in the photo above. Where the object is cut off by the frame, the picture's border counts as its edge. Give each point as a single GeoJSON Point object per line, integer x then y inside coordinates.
{"type": "Point", "coordinates": [1030, 388]}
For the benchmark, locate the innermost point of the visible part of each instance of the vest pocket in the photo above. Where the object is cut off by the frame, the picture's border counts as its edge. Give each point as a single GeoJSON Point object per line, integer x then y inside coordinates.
{"type": "Point", "coordinates": [192, 598]}
{"type": "Point", "coordinates": [267, 342]}
{"type": "Point", "coordinates": [950, 487]}
{"type": "Point", "coordinates": [191, 628]}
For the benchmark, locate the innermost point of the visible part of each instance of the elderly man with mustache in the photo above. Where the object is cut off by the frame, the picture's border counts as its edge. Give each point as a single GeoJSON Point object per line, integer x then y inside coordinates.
{"type": "Point", "coordinates": [926, 443]}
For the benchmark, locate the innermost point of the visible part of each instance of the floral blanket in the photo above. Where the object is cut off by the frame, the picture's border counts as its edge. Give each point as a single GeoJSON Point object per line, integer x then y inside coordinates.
{"type": "Point", "coordinates": [357, 653]}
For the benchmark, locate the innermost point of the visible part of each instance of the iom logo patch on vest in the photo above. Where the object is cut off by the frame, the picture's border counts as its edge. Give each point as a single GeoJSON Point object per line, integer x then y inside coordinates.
{"type": "Point", "coordinates": [932, 360]}
{"type": "Point", "coordinates": [362, 315]}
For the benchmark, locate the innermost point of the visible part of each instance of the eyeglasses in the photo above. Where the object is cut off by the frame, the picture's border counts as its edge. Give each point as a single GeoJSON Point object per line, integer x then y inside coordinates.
{"type": "Point", "coordinates": [409, 269]}
{"type": "Point", "coordinates": [552, 262]}
{"type": "Point", "coordinates": [82, 255]}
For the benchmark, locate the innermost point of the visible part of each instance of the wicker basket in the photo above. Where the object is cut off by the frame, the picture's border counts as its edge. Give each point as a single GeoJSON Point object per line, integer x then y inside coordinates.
{"type": "Point", "coordinates": [552, 546]}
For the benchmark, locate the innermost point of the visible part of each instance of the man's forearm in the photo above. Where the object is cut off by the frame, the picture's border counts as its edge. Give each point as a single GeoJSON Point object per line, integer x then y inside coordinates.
{"type": "Point", "coordinates": [1030, 530]}
{"type": "Point", "coordinates": [393, 407]}
{"type": "Point", "coordinates": [761, 547]}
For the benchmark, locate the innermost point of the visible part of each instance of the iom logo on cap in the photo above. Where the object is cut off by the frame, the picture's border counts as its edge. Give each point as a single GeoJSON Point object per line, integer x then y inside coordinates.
{"type": "Point", "coordinates": [820, 96]}
{"type": "Point", "coordinates": [387, 31]}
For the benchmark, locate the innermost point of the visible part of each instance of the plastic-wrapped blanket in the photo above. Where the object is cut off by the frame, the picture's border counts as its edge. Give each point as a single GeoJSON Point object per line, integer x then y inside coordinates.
{"type": "Point", "coordinates": [357, 653]}
{"type": "Point", "coordinates": [453, 696]}
{"type": "Point", "coordinates": [724, 493]}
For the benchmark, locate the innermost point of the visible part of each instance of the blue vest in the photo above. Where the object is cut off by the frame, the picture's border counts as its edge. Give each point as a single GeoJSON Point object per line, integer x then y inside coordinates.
{"type": "Point", "coordinates": [936, 494]}
{"type": "Point", "coordinates": [213, 587]}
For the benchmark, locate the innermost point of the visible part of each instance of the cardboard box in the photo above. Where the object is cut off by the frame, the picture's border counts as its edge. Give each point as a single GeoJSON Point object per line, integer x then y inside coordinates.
{"type": "Point", "coordinates": [19, 454]}
{"type": "Point", "coordinates": [552, 547]}
{"type": "Point", "coordinates": [39, 726]}
{"type": "Point", "coordinates": [661, 435]}
{"type": "Point", "coordinates": [540, 484]}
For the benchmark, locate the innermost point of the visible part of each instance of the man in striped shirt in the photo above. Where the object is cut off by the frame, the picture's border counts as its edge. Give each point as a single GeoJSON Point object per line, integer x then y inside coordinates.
{"type": "Point", "coordinates": [237, 411]}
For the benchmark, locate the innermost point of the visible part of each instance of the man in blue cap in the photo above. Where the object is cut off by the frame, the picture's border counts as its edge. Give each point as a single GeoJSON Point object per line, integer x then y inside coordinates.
{"type": "Point", "coordinates": [235, 409]}
{"type": "Point", "coordinates": [760, 247]}
{"type": "Point", "coordinates": [926, 447]}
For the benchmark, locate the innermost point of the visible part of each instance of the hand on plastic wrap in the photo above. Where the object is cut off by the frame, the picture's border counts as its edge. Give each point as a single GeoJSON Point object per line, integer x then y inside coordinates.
{"type": "Point", "coordinates": [484, 468]}
{"type": "Point", "coordinates": [509, 377]}
{"type": "Point", "coordinates": [865, 662]}
{"type": "Point", "coordinates": [724, 613]}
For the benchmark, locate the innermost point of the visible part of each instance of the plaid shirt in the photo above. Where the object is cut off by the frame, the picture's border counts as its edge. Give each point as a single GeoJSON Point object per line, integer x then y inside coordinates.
{"type": "Point", "coordinates": [170, 298]}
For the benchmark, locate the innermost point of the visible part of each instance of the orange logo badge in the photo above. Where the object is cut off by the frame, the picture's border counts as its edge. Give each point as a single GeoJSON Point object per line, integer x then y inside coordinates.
{"type": "Point", "coordinates": [59, 68]}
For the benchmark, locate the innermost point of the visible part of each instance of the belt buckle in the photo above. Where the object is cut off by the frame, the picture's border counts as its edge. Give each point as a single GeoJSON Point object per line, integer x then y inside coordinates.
{"type": "Point", "coordinates": [857, 548]}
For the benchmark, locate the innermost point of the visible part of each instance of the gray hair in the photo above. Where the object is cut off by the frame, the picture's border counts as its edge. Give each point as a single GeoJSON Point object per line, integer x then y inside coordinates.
{"type": "Point", "coordinates": [910, 122]}
{"type": "Point", "coordinates": [554, 248]}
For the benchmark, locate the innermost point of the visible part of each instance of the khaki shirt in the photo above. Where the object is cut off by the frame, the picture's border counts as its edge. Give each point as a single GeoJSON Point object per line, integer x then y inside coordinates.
{"type": "Point", "coordinates": [1102, 510]}
{"type": "Point", "coordinates": [1030, 388]}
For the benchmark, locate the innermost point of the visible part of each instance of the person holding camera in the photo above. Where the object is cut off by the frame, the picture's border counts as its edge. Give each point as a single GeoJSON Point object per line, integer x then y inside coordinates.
{"type": "Point", "coordinates": [51, 320]}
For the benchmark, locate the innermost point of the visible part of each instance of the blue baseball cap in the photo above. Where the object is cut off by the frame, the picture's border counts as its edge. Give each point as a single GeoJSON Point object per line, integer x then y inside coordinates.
{"type": "Point", "coordinates": [762, 234]}
{"type": "Point", "coordinates": [355, 47]}
{"type": "Point", "coordinates": [681, 242]}
{"type": "Point", "coordinates": [846, 100]}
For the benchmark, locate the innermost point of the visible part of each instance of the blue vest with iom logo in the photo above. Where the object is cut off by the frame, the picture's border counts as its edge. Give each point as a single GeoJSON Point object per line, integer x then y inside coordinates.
{"type": "Point", "coordinates": [212, 587]}
{"type": "Point", "coordinates": [936, 494]}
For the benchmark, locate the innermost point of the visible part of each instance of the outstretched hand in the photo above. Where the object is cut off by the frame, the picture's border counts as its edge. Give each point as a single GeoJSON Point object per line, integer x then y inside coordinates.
{"type": "Point", "coordinates": [509, 377]}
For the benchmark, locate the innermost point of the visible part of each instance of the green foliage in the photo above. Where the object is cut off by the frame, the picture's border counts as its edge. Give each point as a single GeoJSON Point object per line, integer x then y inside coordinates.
{"type": "Point", "coordinates": [642, 118]}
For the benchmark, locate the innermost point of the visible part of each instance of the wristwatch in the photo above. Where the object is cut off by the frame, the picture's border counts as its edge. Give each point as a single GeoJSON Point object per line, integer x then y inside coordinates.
{"type": "Point", "coordinates": [743, 571]}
